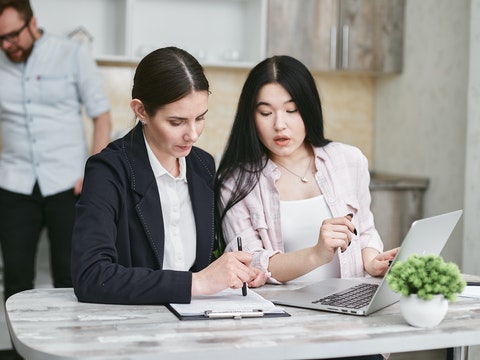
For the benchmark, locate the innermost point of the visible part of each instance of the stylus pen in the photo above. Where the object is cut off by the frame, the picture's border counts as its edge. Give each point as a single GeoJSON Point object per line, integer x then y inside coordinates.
{"type": "Point", "coordinates": [239, 245]}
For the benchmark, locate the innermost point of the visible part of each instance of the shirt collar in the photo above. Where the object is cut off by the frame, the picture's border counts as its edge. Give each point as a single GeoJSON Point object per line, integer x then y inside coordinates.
{"type": "Point", "coordinates": [159, 170]}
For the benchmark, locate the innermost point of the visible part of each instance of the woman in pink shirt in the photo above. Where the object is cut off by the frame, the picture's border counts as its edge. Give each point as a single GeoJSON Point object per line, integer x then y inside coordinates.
{"type": "Point", "coordinates": [299, 202]}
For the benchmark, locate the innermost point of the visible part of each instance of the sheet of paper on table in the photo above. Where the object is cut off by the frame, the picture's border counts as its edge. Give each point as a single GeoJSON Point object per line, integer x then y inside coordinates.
{"type": "Point", "coordinates": [471, 291]}
{"type": "Point", "coordinates": [228, 302]}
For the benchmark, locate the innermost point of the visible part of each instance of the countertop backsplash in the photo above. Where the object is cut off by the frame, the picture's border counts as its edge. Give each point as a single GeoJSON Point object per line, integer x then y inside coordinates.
{"type": "Point", "coordinates": [348, 106]}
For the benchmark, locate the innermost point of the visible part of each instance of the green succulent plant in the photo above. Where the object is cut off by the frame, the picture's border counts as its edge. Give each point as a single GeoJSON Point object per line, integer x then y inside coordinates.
{"type": "Point", "coordinates": [426, 276]}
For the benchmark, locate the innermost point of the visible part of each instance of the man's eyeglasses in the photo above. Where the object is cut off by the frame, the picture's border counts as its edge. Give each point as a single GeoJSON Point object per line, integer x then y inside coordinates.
{"type": "Point", "coordinates": [13, 36]}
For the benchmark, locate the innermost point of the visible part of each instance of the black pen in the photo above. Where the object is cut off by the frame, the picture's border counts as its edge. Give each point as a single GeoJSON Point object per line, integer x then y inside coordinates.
{"type": "Point", "coordinates": [239, 244]}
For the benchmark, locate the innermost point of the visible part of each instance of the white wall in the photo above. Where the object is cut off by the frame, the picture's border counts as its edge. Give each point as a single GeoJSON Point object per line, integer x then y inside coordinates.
{"type": "Point", "coordinates": [421, 115]}
{"type": "Point", "coordinates": [471, 242]}
{"type": "Point", "coordinates": [471, 245]}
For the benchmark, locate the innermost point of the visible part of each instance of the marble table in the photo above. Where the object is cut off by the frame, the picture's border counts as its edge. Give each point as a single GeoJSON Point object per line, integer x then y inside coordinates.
{"type": "Point", "coordinates": [52, 324]}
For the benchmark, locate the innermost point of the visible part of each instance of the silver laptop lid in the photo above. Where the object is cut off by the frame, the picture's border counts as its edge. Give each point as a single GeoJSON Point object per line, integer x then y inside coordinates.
{"type": "Point", "coordinates": [425, 236]}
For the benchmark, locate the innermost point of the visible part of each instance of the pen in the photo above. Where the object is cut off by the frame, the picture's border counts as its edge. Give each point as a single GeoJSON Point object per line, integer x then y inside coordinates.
{"type": "Point", "coordinates": [239, 245]}
{"type": "Point", "coordinates": [349, 217]}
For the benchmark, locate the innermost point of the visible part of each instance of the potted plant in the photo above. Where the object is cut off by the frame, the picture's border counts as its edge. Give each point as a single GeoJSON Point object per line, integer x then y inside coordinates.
{"type": "Point", "coordinates": [426, 284]}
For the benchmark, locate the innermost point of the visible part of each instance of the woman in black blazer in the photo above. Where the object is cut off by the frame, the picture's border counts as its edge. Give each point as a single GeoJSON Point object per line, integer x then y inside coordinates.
{"type": "Point", "coordinates": [144, 228]}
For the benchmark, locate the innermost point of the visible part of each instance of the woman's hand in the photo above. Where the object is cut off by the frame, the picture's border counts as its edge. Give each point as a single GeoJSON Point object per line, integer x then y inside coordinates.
{"type": "Point", "coordinates": [230, 270]}
{"type": "Point", "coordinates": [376, 264]}
{"type": "Point", "coordinates": [334, 233]}
{"type": "Point", "coordinates": [259, 279]}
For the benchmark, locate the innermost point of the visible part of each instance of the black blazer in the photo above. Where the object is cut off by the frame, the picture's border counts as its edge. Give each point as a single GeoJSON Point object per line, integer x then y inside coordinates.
{"type": "Point", "coordinates": [118, 236]}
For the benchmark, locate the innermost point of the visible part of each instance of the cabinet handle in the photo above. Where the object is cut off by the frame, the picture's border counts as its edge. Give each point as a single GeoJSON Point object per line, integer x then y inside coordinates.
{"type": "Point", "coordinates": [333, 47]}
{"type": "Point", "coordinates": [345, 34]}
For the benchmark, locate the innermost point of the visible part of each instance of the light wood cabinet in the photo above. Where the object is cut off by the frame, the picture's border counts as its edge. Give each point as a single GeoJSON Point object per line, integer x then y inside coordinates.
{"type": "Point", "coordinates": [339, 35]}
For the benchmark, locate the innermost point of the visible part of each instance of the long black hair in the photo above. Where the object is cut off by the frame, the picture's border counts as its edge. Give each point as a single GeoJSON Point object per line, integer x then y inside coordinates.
{"type": "Point", "coordinates": [245, 156]}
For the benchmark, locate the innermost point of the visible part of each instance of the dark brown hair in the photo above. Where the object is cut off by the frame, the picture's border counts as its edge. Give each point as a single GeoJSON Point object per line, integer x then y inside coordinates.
{"type": "Point", "coordinates": [167, 75]}
{"type": "Point", "coordinates": [22, 6]}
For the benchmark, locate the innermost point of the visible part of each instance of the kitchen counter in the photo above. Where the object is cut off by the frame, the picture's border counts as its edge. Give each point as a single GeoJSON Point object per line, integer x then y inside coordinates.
{"type": "Point", "coordinates": [381, 181]}
{"type": "Point", "coordinates": [397, 201]}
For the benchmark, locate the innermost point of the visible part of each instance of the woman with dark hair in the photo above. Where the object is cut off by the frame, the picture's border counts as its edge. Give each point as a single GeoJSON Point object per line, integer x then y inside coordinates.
{"type": "Point", "coordinates": [300, 202]}
{"type": "Point", "coordinates": [144, 225]}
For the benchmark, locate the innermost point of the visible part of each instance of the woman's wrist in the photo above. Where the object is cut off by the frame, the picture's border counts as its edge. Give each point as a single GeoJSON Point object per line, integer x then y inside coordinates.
{"type": "Point", "coordinates": [196, 285]}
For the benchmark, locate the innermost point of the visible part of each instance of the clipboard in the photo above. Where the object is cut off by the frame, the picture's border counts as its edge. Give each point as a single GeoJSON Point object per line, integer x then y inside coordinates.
{"type": "Point", "coordinates": [227, 304]}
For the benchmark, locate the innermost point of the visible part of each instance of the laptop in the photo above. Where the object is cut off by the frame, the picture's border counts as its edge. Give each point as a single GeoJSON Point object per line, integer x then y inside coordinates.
{"type": "Point", "coordinates": [425, 236]}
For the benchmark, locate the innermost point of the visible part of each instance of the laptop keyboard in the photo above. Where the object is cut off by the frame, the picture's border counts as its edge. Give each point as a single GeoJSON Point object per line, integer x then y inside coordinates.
{"type": "Point", "coordinates": [355, 297]}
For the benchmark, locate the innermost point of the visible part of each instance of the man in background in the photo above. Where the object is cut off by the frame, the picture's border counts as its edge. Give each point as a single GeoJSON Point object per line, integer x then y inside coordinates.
{"type": "Point", "coordinates": [45, 81]}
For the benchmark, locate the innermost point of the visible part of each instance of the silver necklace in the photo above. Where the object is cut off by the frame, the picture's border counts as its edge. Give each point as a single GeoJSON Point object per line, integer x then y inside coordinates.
{"type": "Point", "coordinates": [302, 178]}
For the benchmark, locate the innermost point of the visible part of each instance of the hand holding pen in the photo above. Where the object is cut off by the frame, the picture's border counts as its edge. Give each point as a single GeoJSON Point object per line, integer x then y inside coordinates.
{"type": "Point", "coordinates": [230, 270]}
{"type": "Point", "coordinates": [239, 245]}
{"type": "Point", "coordinates": [335, 233]}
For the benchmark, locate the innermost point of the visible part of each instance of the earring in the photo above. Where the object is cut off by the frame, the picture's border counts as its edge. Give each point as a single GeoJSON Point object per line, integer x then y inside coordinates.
{"type": "Point", "coordinates": [142, 121]}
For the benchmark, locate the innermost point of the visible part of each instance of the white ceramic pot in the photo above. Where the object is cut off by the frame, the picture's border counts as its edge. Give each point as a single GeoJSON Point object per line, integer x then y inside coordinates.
{"type": "Point", "coordinates": [423, 313]}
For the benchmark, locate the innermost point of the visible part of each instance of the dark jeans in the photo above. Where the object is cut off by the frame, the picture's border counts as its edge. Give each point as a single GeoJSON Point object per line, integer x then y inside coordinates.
{"type": "Point", "coordinates": [22, 218]}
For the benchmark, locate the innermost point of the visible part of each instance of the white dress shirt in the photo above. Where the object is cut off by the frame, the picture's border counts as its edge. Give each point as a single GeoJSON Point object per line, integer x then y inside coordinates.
{"type": "Point", "coordinates": [178, 219]}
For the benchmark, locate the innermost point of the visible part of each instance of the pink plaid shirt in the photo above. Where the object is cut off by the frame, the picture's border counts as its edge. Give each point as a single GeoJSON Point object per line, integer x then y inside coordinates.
{"type": "Point", "coordinates": [343, 177]}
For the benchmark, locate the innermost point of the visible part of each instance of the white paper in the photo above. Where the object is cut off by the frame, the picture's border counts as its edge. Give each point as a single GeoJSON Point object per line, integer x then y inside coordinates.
{"type": "Point", "coordinates": [228, 300]}
{"type": "Point", "coordinates": [471, 291]}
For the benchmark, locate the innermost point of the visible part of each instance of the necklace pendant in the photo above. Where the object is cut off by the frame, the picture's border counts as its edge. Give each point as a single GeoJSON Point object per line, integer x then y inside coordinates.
{"type": "Point", "coordinates": [304, 179]}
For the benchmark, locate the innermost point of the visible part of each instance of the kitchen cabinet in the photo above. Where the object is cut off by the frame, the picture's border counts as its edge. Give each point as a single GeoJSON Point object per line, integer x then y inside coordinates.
{"type": "Point", "coordinates": [339, 35]}
{"type": "Point", "coordinates": [327, 35]}
{"type": "Point", "coordinates": [217, 32]}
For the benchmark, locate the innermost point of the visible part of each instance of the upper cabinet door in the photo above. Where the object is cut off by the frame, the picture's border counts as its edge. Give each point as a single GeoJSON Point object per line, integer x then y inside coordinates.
{"type": "Point", "coordinates": [371, 35]}
{"type": "Point", "coordinates": [304, 29]}
{"type": "Point", "coordinates": [338, 35]}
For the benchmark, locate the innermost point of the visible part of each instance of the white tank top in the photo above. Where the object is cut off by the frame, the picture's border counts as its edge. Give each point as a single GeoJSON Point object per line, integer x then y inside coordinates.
{"type": "Point", "coordinates": [301, 222]}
